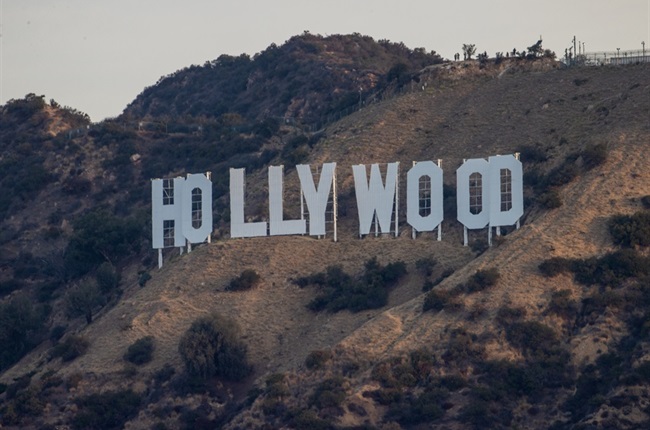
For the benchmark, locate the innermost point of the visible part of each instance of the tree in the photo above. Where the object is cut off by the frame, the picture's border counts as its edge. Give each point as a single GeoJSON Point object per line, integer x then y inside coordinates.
{"type": "Point", "coordinates": [100, 236]}
{"type": "Point", "coordinates": [82, 300]}
{"type": "Point", "coordinates": [107, 277]}
{"type": "Point", "coordinates": [468, 51]}
{"type": "Point", "coordinates": [536, 50]}
{"type": "Point", "coordinates": [21, 325]}
{"type": "Point", "coordinates": [211, 347]}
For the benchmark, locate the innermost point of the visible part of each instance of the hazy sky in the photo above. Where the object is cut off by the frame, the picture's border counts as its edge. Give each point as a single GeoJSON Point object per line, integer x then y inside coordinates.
{"type": "Point", "coordinates": [98, 55]}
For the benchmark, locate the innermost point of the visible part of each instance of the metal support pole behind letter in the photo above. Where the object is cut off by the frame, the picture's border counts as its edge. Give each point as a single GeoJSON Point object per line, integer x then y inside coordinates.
{"type": "Point", "coordinates": [160, 258]}
{"type": "Point", "coordinates": [397, 202]}
{"type": "Point", "coordinates": [334, 204]}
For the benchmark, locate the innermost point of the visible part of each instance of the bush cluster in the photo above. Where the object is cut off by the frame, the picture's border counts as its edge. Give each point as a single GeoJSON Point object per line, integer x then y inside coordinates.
{"type": "Point", "coordinates": [98, 236]}
{"type": "Point", "coordinates": [481, 280]}
{"type": "Point", "coordinates": [72, 347]}
{"type": "Point", "coordinates": [245, 281]}
{"type": "Point", "coordinates": [109, 410]}
{"type": "Point", "coordinates": [610, 269]}
{"type": "Point", "coordinates": [562, 304]}
{"type": "Point", "coordinates": [410, 392]}
{"type": "Point", "coordinates": [342, 291]}
{"type": "Point", "coordinates": [211, 347]}
{"type": "Point", "coordinates": [317, 359]}
{"type": "Point", "coordinates": [22, 327]}
{"type": "Point", "coordinates": [141, 351]}
{"type": "Point", "coordinates": [554, 266]}
{"type": "Point", "coordinates": [546, 186]}
{"type": "Point", "coordinates": [631, 230]}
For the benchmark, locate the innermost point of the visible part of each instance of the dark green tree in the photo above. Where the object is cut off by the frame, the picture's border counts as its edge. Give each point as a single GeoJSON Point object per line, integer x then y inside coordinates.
{"type": "Point", "coordinates": [100, 236]}
{"type": "Point", "coordinates": [211, 347]}
{"type": "Point", "coordinates": [82, 299]}
{"type": "Point", "coordinates": [469, 49]}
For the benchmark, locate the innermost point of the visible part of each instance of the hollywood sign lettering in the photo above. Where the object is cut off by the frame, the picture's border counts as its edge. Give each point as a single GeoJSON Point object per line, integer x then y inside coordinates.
{"type": "Point", "coordinates": [489, 193]}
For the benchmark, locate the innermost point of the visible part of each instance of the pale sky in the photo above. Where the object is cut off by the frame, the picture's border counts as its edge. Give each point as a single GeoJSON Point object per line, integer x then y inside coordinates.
{"type": "Point", "coordinates": [98, 55]}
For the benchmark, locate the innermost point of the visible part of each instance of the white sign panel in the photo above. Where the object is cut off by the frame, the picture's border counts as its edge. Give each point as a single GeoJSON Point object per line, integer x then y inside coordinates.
{"type": "Point", "coordinates": [490, 193]}
{"type": "Point", "coordinates": [316, 199]}
{"type": "Point", "coordinates": [238, 226]}
{"type": "Point", "coordinates": [424, 170]}
{"type": "Point", "coordinates": [181, 210]}
{"type": "Point", "coordinates": [278, 225]}
{"type": "Point", "coordinates": [375, 198]}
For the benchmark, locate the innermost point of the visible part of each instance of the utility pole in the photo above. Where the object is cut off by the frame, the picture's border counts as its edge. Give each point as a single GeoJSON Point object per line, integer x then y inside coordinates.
{"type": "Point", "coordinates": [575, 51]}
{"type": "Point", "coordinates": [643, 44]}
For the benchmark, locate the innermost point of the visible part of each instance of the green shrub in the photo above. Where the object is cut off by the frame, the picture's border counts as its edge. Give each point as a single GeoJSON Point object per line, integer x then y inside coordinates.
{"type": "Point", "coordinates": [141, 351]}
{"type": "Point", "coordinates": [317, 359]}
{"type": "Point", "coordinates": [533, 154]}
{"type": "Point", "coordinates": [462, 348]}
{"type": "Point", "coordinates": [329, 394]}
{"type": "Point", "coordinates": [21, 328]}
{"type": "Point", "coordinates": [612, 268]}
{"type": "Point", "coordinates": [531, 335]}
{"type": "Point", "coordinates": [436, 300]}
{"type": "Point", "coordinates": [107, 277]}
{"type": "Point", "coordinates": [72, 347]}
{"type": "Point", "coordinates": [554, 266]}
{"type": "Point", "coordinates": [143, 278]}
{"type": "Point", "coordinates": [82, 299]}
{"type": "Point", "coordinates": [561, 304]}
{"type": "Point", "coordinates": [308, 419]}
{"type": "Point", "coordinates": [100, 236]}
{"type": "Point", "coordinates": [428, 285]}
{"type": "Point", "coordinates": [342, 291]}
{"type": "Point", "coordinates": [507, 315]}
{"type": "Point", "coordinates": [562, 174]}
{"type": "Point", "coordinates": [479, 246]}
{"type": "Point", "coordinates": [10, 285]}
{"type": "Point", "coordinates": [211, 347]}
{"type": "Point", "coordinates": [57, 332]}
{"type": "Point", "coordinates": [594, 155]}
{"type": "Point", "coordinates": [550, 199]}
{"type": "Point", "coordinates": [631, 230]}
{"type": "Point", "coordinates": [426, 265]}
{"type": "Point", "coordinates": [109, 410]}
{"type": "Point", "coordinates": [645, 201]}
{"type": "Point", "coordinates": [415, 409]}
{"type": "Point", "coordinates": [481, 280]}
{"type": "Point", "coordinates": [245, 281]}
{"type": "Point", "coordinates": [548, 361]}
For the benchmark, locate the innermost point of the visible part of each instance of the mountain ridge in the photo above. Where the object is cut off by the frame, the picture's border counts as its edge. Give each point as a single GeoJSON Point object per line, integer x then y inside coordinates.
{"type": "Point", "coordinates": [469, 112]}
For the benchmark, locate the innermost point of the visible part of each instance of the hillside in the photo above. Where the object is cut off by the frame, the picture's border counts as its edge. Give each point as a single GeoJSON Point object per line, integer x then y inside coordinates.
{"type": "Point", "coordinates": [306, 79]}
{"type": "Point", "coordinates": [397, 366]}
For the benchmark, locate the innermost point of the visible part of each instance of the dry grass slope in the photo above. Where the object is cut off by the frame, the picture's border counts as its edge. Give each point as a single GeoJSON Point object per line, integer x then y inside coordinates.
{"type": "Point", "coordinates": [449, 119]}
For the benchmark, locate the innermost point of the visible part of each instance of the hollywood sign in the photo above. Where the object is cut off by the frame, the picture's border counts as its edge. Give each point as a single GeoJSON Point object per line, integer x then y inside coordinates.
{"type": "Point", "coordinates": [489, 193]}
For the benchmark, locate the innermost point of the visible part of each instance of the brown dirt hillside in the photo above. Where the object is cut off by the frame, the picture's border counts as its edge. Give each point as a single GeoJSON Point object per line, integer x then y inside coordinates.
{"type": "Point", "coordinates": [557, 111]}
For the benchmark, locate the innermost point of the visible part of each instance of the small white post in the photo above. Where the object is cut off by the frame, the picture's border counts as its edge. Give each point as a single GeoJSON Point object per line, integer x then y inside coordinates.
{"type": "Point", "coordinates": [160, 258]}
{"type": "Point", "coordinates": [465, 236]}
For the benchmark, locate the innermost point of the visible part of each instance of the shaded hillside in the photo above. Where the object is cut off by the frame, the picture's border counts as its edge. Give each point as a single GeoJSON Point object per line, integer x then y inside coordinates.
{"type": "Point", "coordinates": [304, 79]}
{"type": "Point", "coordinates": [448, 349]}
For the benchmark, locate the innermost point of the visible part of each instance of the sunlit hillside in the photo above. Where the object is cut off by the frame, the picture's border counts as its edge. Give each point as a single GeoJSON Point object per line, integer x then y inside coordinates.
{"type": "Point", "coordinates": [474, 336]}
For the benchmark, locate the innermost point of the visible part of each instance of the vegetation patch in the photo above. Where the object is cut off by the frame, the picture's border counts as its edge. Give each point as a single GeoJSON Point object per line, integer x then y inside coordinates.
{"type": "Point", "coordinates": [341, 291]}
{"type": "Point", "coordinates": [211, 347]}
{"type": "Point", "coordinates": [631, 230]}
{"type": "Point", "coordinates": [140, 351]}
{"type": "Point", "coordinates": [109, 410]}
{"type": "Point", "coordinates": [245, 281]}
